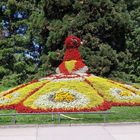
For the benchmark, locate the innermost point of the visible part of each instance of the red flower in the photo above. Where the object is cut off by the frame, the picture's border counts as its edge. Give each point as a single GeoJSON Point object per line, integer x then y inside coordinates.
{"type": "Point", "coordinates": [72, 53]}
{"type": "Point", "coordinates": [72, 41]}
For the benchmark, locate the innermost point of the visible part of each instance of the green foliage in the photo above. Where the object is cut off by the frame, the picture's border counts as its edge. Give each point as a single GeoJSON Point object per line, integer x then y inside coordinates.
{"type": "Point", "coordinates": [14, 79]}
{"type": "Point", "coordinates": [3, 72]}
{"type": "Point", "coordinates": [110, 31]}
{"type": "Point", "coordinates": [19, 67]}
{"type": "Point", "coordinates": [57, 8]}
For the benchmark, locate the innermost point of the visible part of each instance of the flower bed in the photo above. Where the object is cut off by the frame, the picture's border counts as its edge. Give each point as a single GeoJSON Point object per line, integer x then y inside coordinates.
{"type": "Point", "coordinates": [69, 93]}
{"type": "Point", "coordinates": [11, 98]}
{"type": "Point", "coordinates": [114, 92]}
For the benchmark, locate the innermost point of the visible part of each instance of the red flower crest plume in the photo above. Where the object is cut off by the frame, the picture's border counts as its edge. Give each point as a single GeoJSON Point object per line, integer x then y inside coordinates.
{"type": "Point", "coordinates": [72, 53]}
{"type": "Point", "coordinates": [72, 41]}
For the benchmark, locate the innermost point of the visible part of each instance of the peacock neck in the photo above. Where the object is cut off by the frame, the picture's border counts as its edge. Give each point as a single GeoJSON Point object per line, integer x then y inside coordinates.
{"type": "Point", "coordinates": [72, 54]}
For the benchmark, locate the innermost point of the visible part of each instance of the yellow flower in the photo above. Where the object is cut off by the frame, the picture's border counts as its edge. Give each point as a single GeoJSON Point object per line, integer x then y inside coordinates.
{"type": "Point", "coordinates": [70, 65]}
{"type": "Point", "coordinates": [63, 96]}
{"type": "Point", "coordinates": [18, 95]}
{"type": "Point", "coordinates": [125, 94]}
{"type": "Point", "coordinates": [104, 86]}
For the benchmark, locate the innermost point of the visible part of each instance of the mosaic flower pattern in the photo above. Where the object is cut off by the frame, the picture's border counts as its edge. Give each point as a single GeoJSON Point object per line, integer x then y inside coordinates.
{"type": "Point", "coordinates": [71, 90]}
{"type": "Point", "coordinates": [69, 93]}
{"type": "Point", "coordinates": [115, 93]}
{"type": "Point", "coordinates": [76, 99]}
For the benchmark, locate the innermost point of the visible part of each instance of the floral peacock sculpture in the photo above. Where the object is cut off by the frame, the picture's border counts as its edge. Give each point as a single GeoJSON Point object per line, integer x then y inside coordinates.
{"type": "Point", "coordinates": [72, 89]}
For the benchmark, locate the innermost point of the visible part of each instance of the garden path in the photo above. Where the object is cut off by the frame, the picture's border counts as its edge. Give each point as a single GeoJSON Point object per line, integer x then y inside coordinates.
{"type": "Point", "coordinates": [73, 132]}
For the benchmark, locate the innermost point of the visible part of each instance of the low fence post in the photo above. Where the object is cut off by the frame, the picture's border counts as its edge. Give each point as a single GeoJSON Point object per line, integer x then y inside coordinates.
{"type": "Point", "coordinates": [52, 118]}
{"type": "Point", "coordinates": [104, 118]}
{"type": "Point", "coordinates": [59, 118]}
{"type": "Point", "coordinates": [14, 118]}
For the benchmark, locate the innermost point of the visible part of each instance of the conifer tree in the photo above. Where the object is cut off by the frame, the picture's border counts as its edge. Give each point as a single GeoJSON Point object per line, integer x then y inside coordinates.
{"type": "Point", "coordinates": [32, 34]}
{"type": "Point", "coordinates": [20, 47]}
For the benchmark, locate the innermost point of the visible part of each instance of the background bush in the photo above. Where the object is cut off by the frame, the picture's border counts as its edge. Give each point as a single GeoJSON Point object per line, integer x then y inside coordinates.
{"type": "Point", "coordinates": [32, 35]}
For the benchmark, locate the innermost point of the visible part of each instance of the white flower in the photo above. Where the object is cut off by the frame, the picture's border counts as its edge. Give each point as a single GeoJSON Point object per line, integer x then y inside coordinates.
{"type": "Point", "coordinates": [45, 101]}
{"type": "Point", "coordinates": [57, 70]}
{"type": "Point", "coordinates": [4, 99]}
{"type": "Point", "coordinates": [62, 77]}
{"type": "Point", "coordinates": [131, 87]}
{"type": "Point", "coordinates": [116, 92]}
{"type": "Point", "coordinates": [68, 79]}
{"type": "Point", "coordinates": [82, 70]}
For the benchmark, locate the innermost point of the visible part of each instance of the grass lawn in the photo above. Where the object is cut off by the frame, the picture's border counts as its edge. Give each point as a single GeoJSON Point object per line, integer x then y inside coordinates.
{"type": "Point", "coordinates": [120, 114]}
{"type": "Point", "coordinates": [2, 88]}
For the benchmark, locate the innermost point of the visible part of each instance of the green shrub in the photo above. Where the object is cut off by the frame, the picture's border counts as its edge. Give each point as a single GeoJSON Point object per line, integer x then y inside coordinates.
{"type": "Point", "coordinates": [3, 72]}
{"type": "Point", "coordinates": [14, 79]}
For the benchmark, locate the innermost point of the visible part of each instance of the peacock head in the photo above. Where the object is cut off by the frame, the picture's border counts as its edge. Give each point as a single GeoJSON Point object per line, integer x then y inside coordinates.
{"type": "Point", "coordinates": [72, 42]}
